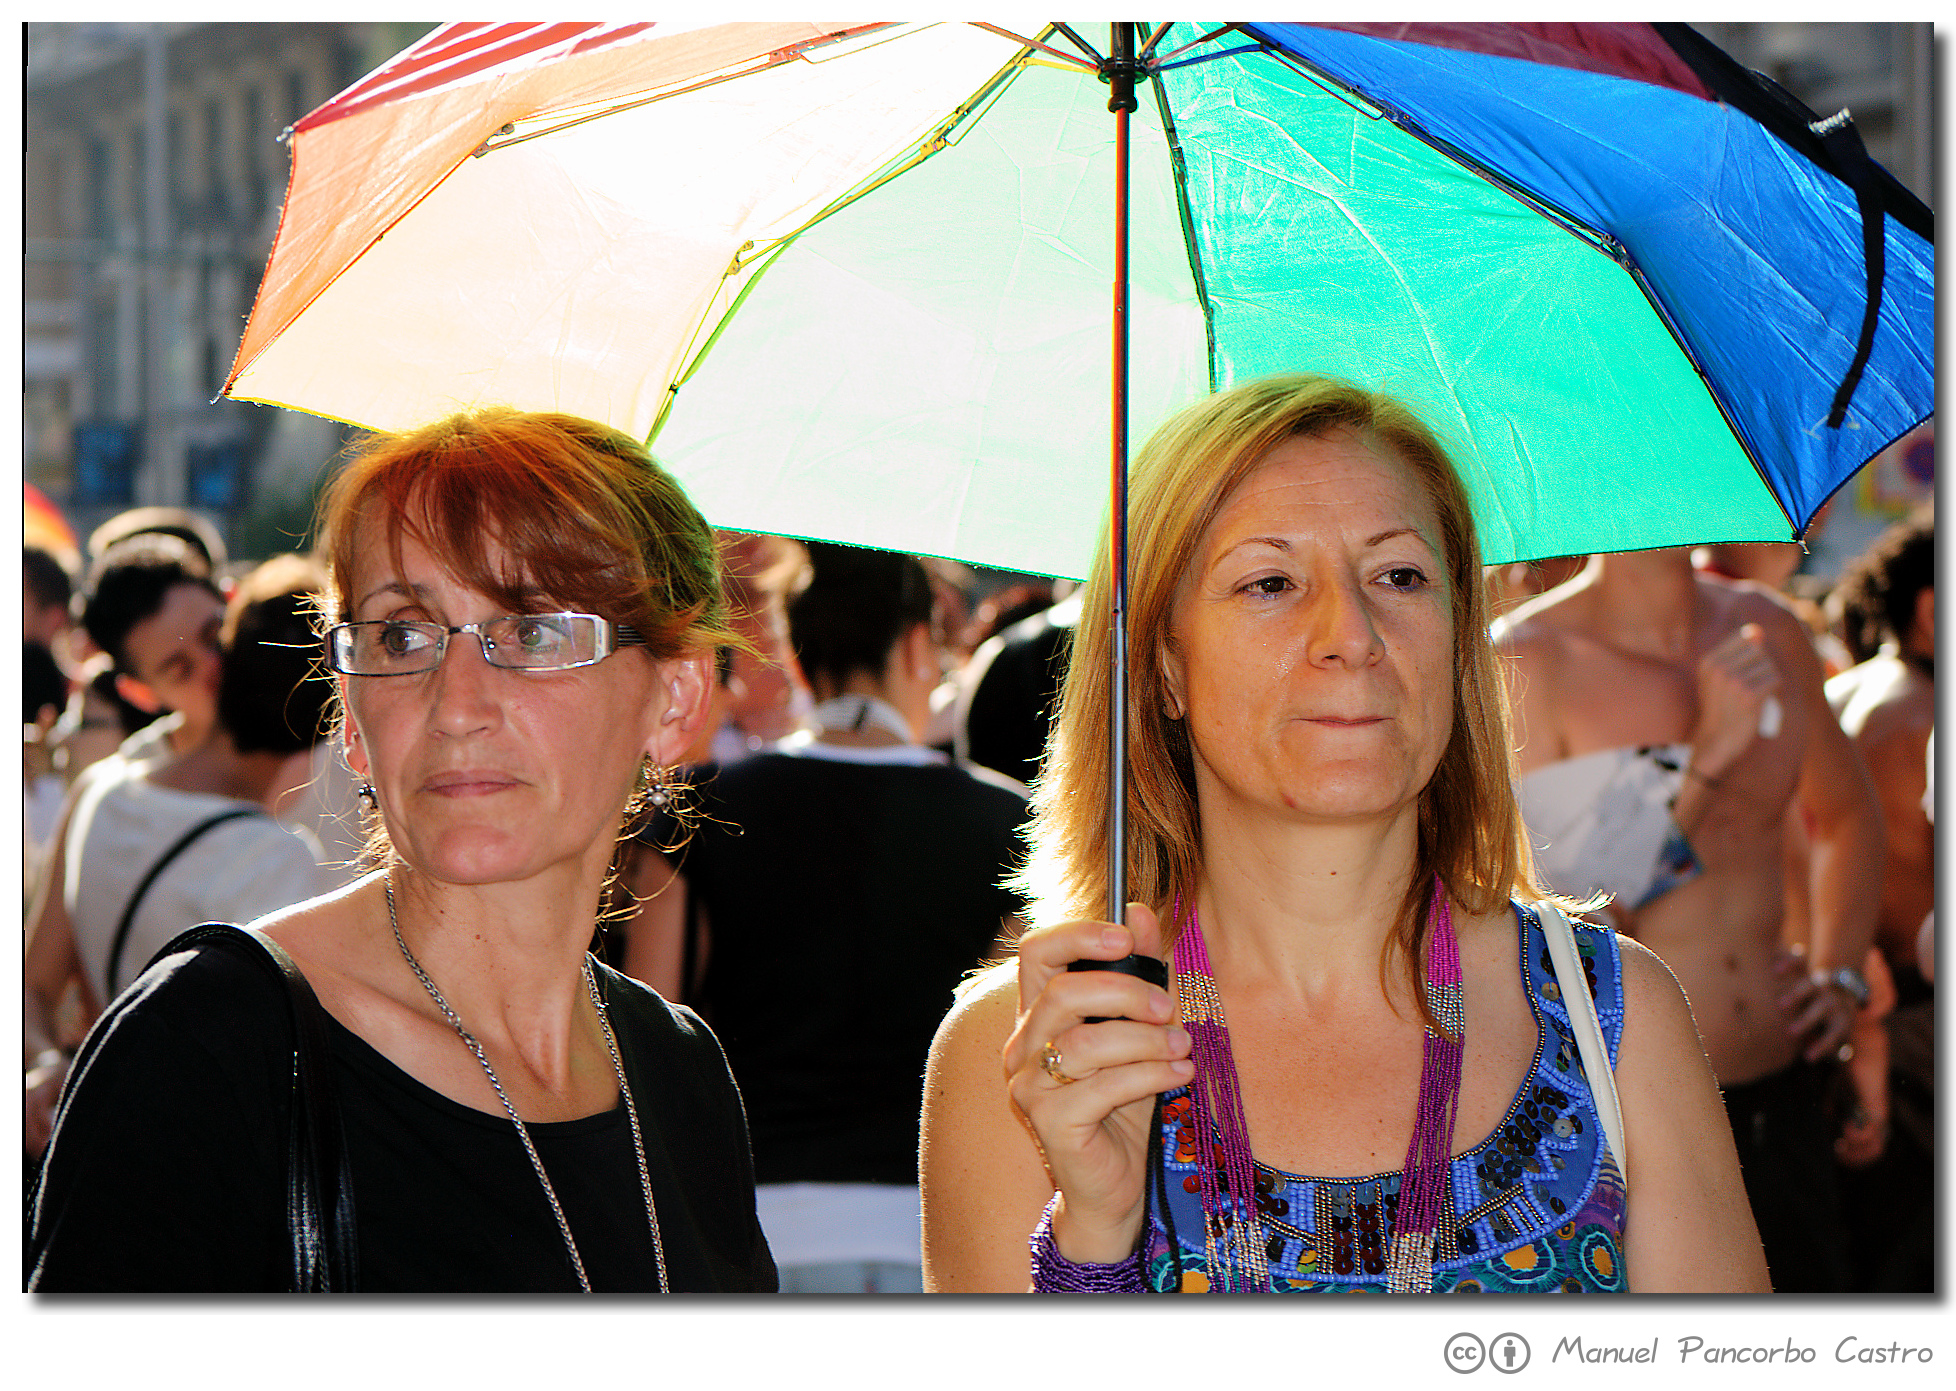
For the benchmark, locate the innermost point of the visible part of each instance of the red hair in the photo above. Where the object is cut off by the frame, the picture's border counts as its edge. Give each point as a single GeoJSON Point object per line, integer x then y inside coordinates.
{"type": "Point", "coordinates": [580, 511]}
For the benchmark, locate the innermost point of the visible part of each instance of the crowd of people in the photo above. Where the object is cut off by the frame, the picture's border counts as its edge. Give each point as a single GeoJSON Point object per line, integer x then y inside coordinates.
{"type": "Point", "coordinates": [632, 906]}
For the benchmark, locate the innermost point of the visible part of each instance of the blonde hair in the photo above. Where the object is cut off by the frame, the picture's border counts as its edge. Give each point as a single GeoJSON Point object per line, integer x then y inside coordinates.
{"type": "Point", "coordinates": [1470, 829]}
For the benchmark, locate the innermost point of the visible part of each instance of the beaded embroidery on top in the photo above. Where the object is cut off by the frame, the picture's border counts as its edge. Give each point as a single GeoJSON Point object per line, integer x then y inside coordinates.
{"type": "Point", "coordinates": [1537, 1206]}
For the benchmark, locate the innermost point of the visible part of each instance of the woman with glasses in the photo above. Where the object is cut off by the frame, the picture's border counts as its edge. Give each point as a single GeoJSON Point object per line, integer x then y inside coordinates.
{"type": "Point", "coordinates": [522, 611]}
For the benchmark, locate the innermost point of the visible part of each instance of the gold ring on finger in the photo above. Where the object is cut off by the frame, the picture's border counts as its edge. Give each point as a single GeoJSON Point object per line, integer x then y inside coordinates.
{"type": "Point", "coordinates": [1049, 1058]}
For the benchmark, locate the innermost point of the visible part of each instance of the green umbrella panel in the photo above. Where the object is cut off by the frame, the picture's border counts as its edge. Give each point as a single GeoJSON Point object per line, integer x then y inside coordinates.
{"type": "Point", "coordinates": [927, 367]}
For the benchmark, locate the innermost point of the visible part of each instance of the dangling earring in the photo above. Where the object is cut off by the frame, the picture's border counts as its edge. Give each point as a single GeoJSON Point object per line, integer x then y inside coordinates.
{"type": "Point", "coordinates": [656, 783]}
{"type": "Point", "coordinates": [367, 794]}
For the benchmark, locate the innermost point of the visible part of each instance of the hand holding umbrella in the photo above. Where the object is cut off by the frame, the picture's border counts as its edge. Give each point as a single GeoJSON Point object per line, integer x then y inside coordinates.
{"type": "Point", "coordinates": [1089, 1089]}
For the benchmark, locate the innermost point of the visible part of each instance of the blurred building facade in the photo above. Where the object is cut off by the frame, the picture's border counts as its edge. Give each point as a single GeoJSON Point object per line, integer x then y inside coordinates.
{"type": "Point", "coordinates": [1883, 73]}
{"type": "Point", "coordinates": [143, 255]}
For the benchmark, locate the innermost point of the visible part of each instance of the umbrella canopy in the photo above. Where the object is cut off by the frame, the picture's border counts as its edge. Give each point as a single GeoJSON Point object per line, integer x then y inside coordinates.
{"type": "Point", "coordinates": [851, 279]}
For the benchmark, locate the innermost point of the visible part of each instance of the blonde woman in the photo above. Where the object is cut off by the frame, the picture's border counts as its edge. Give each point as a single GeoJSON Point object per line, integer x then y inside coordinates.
{"type": "Point", "coordinates": [1362, 1075]}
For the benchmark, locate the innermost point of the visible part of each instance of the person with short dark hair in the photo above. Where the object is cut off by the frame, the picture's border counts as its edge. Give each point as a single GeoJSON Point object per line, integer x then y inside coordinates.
{"type": "Point", "coordinates": [46, 590]}
{"type": "Point", "coordinates": [836, 889]}
{"type": "Point", "coordinates": [1009, 690]}
{"type": "Point", "coordinates": [44, 685]}
{"type": "Point", "coordinates": [1877, 604]}
{"type": "Point", "coordinates": [152, 607]}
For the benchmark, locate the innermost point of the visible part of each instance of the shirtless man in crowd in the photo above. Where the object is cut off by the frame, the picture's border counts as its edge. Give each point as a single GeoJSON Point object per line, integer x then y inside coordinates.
{"type": "Point", "coordinates": [1887, 706]}
{"type": "Point", "coordinates": [1673, 719]}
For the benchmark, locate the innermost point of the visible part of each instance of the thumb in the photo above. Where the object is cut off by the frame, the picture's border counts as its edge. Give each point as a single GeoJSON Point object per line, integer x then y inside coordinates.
{"type": "Point", "coordinates": [1145, 928]}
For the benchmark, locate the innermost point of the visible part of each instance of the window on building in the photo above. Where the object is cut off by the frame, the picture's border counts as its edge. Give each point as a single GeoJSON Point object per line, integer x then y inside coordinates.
{"type": "Point", "coordinates": [103, 345]}
{"type": "Point", "coordinates": [101, 190]}
{"type": "Point", "coordinates": [182, 205]}
{"type": "Point", "coordinates": [255, 136]}
{"type": "Point", "coordinates": [214, 190]}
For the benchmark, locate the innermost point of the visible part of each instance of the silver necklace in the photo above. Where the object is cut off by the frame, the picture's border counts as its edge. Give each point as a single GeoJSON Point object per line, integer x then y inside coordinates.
{"type": "Point", "coordinates": [523, 1132]}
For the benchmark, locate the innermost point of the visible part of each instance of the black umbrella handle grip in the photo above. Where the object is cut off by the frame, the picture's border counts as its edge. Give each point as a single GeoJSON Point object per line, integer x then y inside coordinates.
{"type": "Point", "coordinates": [1148, 968]}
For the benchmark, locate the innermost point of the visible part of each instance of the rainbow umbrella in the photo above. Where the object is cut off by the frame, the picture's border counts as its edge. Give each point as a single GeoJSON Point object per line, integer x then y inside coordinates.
{"type": "Point", "coordinates": [855, 280]}
{"type": "Point", "coordinates": [852, 280]}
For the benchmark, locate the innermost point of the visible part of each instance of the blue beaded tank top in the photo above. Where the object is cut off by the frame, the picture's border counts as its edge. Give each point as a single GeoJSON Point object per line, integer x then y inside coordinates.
{"type": "Point", "coordinates": [1536, 1207]}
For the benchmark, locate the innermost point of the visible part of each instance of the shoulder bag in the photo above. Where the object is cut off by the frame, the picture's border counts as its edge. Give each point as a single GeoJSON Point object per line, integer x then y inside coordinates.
{"type": "Point", "coordinates": [318, 1181]}
{"type": "Point", "coordinates": [1595, 1051]}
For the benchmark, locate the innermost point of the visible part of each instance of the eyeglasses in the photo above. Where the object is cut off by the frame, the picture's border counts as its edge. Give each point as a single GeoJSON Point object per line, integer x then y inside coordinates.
{"type": "Point", "coordinates": [520, 641]}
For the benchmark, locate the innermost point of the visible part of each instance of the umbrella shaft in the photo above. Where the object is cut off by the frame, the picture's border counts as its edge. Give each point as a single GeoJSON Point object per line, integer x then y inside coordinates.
{"type": "Point", "coordinates": [1117, 532]}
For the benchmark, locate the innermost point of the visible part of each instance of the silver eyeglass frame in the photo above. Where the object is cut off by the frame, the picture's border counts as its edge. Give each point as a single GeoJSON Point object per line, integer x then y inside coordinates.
{"type": "Point", "coordinates": [611, 637]}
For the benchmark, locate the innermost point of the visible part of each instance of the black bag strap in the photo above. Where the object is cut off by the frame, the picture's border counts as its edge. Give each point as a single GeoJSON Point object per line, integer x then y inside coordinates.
{"type": "Point", "coordinates": [318, 1179]}
{"type": "Point", "coordinates": [113, 971]}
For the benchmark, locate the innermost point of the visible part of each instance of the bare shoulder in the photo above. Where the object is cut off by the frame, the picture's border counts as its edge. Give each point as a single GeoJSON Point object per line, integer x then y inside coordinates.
{"type": "Point", "coordinates": [317, 927]}
{"type": "Point", "coordinates": [337, 943]}
{"type": "Point", "coordinates": [1747, 601]}
{"type": "Point", "coordinates": [985, 1009]}
{"type": "Point", "coordinates": [1656, 1013]}
{"type": "Point", "coordinates": [1646, 979]}
{"type": "Point", "coordinates": [1540, 627]}
{"type": "Point", "coordinates": [1689, 1229]}
{"type": "Point", "coordinates": [1883, 698]}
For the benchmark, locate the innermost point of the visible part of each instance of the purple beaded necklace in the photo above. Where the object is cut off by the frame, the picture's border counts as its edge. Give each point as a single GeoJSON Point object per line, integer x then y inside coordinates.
{"type": "Point", "coordinates": [1233, 1227]}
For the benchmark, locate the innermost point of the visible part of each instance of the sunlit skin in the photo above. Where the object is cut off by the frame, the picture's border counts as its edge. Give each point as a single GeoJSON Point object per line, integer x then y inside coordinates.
{"type": "Point", "coordinates": [1312, 642]}
{"type": "Point", "coordinates": [488, 774]}
{"type": "Point", "coordinates": [503, 793]}
{"type": "Point", "coordinates": [1311, 653]}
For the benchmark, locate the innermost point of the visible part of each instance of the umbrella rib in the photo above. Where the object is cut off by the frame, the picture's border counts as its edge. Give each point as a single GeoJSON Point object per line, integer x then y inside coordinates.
{"type": "Point", "coordinates": [1178, 164]}
{"type": "Point", "coordinates": [1602, 241]}
{"type": "Point", "coordinates": [1374, 109]}
{"type": "Point", "coordinates": [1163, 60]}
{"type": "Point", "coordinates": [1073, 59]}
{"type": "Point", "coordinates": [1664, 316]}
{"type": "Point", "coordinates": [790, 54]}
{"type": "Point", "coordinates": [1082, 45]}
{"type": "Point", "coordinates": [932, 143]}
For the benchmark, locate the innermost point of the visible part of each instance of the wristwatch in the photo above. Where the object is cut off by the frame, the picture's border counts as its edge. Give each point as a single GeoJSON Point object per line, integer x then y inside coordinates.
{"type": "Point", "coordinates": [1848, 979]}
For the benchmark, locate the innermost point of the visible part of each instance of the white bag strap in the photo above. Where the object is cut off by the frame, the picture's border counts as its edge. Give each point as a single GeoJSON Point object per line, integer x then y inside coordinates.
{"type": "Point", "coordinates": [1589, 1029]}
